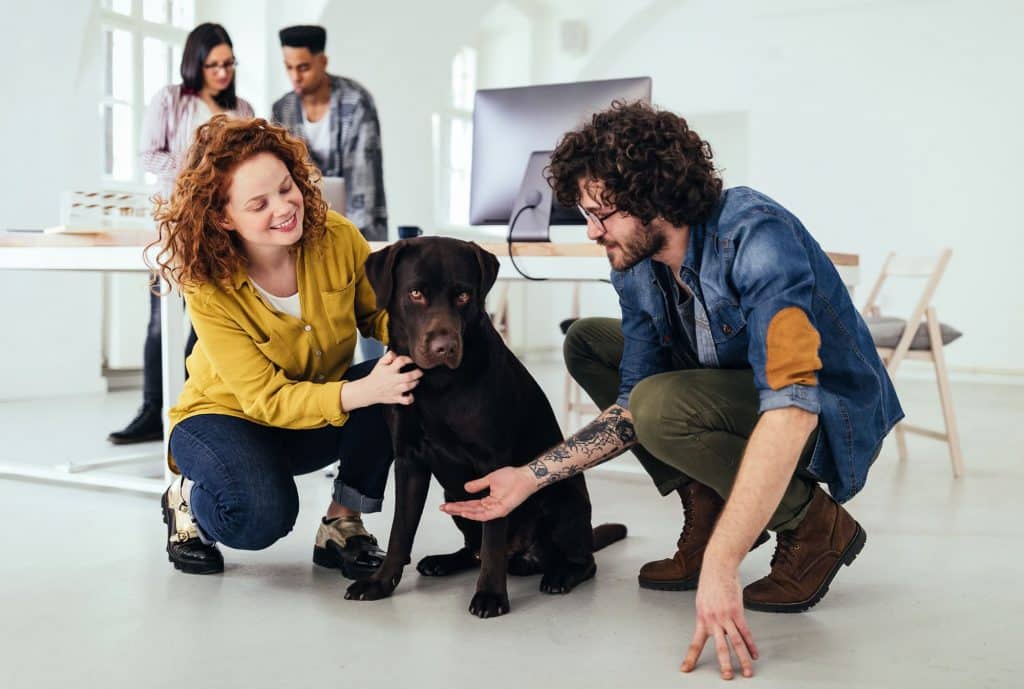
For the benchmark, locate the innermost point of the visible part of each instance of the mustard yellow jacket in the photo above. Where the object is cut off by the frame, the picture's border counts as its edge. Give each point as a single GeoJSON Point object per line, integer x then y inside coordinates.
{"type": "Point", "coordinates": [255, 363]}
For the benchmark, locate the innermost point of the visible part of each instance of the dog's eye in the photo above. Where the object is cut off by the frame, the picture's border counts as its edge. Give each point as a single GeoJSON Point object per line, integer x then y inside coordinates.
{"type": "Point", "coordinates": [462, 298]}
{"type": "Point", "coordinates": [416, 295]}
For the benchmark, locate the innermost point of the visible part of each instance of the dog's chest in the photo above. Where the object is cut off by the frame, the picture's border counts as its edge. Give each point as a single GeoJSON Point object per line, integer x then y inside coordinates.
{"type": "Point", "coordinates": [457, 447]}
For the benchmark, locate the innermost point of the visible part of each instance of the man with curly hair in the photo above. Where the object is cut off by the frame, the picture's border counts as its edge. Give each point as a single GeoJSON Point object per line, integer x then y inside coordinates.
{"type": "Point", "coordinates": [740, 374]}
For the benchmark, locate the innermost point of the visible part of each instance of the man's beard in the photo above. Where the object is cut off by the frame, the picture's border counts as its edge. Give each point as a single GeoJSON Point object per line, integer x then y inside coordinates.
{"type": "Point", "coordinates": [640, 245]}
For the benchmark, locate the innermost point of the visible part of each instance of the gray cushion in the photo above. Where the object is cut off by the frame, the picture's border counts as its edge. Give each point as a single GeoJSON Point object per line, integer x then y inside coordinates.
{"type": "Point", "coordinates": [887, 330]}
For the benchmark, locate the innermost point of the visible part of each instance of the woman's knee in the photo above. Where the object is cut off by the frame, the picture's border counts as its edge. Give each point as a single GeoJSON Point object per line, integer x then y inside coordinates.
{"type": "Point", "coordinates": [258, 517]}
{"type": "Point", "coordinates": [242, 497]}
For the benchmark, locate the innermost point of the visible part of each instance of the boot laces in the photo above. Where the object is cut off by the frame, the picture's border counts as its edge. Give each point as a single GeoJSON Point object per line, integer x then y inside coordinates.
{"type": "Point", "coordinates": [785, 548]}
{"type": "Point", "coordinates": [688, 521]}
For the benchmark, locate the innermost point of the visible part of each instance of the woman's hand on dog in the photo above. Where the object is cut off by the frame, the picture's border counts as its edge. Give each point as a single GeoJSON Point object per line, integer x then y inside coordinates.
{"type": "Point", "coordinates": [509, 487]}
{"type": "Point", "coordinates": [386, 384]}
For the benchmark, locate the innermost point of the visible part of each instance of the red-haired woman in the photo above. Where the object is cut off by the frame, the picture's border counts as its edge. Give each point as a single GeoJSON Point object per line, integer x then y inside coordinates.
{"type": "Point", "coordinates": [207, 88]}
{"type": "Point", "coordinates": [276, 288]}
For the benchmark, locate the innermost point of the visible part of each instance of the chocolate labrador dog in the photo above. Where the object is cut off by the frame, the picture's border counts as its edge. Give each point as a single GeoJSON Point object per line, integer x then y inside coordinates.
{"type": "Point", "coordinates": [476, 409]}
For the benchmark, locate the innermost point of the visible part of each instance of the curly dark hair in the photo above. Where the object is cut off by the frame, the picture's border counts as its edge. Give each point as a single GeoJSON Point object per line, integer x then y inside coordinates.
{"type": "Point", "coordinates": [650, 162]}
{"type": "Point", "coordinates": [194, 248]}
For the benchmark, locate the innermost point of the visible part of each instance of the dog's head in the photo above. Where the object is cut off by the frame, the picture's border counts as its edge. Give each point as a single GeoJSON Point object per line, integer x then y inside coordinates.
{"type": "Point", "coordinates": [433, 289]}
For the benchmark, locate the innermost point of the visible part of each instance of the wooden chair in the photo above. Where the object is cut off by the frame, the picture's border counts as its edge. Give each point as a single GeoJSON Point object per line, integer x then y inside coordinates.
{"type": "Point", "coordinates": [928, 348]}
{"type": "Point", "coordinates": [498, 309]}
{"type": "Point", "coordinates": [573, 401]}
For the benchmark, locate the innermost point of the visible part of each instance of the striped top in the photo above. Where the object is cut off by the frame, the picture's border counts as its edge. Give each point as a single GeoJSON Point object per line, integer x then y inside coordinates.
{"type": "Point", "coordinates": [171, 120]}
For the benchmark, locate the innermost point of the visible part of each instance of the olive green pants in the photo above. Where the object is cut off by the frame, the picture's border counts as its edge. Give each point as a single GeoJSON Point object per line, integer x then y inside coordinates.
{"type": "Point", "coordinates": [692, 424]}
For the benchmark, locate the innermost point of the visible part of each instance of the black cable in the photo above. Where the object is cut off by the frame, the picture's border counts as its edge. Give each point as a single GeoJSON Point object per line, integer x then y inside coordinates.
{"type": "Point", "coordinates": [512, 257]}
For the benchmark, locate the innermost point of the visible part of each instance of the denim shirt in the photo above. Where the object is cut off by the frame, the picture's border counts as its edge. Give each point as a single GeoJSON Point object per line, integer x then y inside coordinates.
{"type": "Point", "coordinates": [750, 266]}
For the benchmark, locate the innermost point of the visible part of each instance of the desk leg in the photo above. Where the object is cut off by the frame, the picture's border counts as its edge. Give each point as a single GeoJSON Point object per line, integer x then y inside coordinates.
{"type": "Point", "coordinates": [172, 357]}
{"type": "Point", "coordinates": [79, 473]}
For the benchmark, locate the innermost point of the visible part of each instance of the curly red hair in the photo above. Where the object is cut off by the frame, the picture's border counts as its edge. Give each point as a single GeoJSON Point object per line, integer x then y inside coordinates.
{"type": "Point", "coordinates": [194, 248]}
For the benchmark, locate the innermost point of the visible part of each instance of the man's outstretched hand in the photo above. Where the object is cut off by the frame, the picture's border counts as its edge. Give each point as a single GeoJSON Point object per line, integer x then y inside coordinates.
{"type": "Point", "coordinates": [720, 617]}
{"type": "Point", "coordinates": [509, 487]}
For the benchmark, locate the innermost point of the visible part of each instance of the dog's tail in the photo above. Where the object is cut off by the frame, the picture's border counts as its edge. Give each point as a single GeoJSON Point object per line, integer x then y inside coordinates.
{"type": "Point", "coordinates": [606, 534]}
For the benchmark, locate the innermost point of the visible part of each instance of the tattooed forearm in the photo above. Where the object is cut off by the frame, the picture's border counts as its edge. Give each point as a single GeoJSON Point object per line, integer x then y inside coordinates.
{"type": "Point", "coordinates": [610, 429]}
{"type": "Point", "coordinates": [606, 437]}
{"type": "Point", "coordinates": [559, 475]}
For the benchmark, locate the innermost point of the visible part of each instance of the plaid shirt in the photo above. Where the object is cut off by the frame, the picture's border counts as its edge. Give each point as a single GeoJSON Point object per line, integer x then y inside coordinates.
{"type": "Point", "coordinates": [356, 154]}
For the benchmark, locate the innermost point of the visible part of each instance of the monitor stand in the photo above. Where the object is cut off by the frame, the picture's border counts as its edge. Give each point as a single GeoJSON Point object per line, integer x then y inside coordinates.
{"type": "Point", "coordinates": [533, 224]}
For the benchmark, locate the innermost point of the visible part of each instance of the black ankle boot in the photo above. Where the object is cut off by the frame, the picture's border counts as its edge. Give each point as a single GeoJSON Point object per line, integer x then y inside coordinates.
{"type": "Point", "coordinates": [185, 550]}
{"type": "Point", "coordinates": [147, 425]}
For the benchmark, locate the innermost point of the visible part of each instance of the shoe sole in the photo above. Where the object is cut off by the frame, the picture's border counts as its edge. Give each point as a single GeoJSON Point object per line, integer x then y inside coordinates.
{"type": "Point", "coordinates": [690, 583]}
{"type": "Point", "coordinates": [850, 554]}
{"type": "Point", "coordinates": [185, 567]}
{"type": "Point", "coordinates": [325, 557]}
{"type": "Point", "coordinates": [670, 585]}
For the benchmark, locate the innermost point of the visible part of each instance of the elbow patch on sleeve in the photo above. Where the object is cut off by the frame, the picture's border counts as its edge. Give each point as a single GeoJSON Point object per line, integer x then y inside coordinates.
{"type": "Point", "coordinates": [791, 355]}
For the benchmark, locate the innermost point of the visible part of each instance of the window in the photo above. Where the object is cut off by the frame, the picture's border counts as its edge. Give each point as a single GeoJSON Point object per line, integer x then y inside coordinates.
{"type": "Point", "coordinates": [453, 134]}
{"type": "Point", "coordinates": [142, 46]}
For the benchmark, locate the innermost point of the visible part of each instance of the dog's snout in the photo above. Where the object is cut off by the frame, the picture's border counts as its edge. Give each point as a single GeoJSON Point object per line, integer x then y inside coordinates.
{"type": "Point", "coordinates": [443, 343]}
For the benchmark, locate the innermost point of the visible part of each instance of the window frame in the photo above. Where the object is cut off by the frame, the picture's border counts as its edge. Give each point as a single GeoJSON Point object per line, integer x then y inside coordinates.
{"type": "Point", "coordinates": [139, 29]}
{"type": "Point", "coordinates": [442, 128]}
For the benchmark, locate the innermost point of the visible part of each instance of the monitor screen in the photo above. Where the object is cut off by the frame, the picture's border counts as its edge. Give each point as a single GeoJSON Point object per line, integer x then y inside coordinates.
{"type": "Point", "coordinates": [510, 124]}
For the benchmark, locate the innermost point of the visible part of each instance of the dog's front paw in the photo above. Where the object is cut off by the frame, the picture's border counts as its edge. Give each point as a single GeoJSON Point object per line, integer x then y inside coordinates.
{"type": "Point", "coordinates": [370, 589]}
{"type": "Point", "coordinates": [564, 580]}
{"type": "Point", "coordinates": [487, 604]}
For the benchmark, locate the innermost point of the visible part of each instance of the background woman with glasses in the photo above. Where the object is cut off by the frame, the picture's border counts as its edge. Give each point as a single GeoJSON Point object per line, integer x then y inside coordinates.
{"type": "Point", "coordinates": [207, 88]}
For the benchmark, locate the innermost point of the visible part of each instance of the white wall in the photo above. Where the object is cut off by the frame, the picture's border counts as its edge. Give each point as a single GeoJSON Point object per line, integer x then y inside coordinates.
{"type": "Point", "coordinates": [253, 27]}
{"type": "Point", "coordinates": [50, 336]}
{"type": "Point", "coordinates": [400, 51]}
{"type": "Point", "coordinates": [884, 126]}
{"type": "Point", "coordinates": [894, 127]}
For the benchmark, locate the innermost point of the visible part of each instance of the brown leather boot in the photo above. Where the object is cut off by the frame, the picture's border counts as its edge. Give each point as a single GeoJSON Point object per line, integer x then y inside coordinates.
{"type": "Point", "coordinates": [807, 558]}
{"type": "Point", "coordinates": [701, 507]}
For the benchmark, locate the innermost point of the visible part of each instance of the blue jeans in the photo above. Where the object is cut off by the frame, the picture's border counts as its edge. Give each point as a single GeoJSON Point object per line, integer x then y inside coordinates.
{"type": "Point", "coordinates": [244, 494]}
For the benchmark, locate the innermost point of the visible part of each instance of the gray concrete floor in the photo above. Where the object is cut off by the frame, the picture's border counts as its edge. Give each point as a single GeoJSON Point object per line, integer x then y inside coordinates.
{"type": "Point", "coordinates": [88, 597]}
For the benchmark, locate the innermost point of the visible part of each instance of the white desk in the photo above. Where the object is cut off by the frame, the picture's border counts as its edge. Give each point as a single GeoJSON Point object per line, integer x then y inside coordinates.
{"type": "Point", "coordinates": [123, 252]}
{"type": "Point", "coordinates": [115, 252]}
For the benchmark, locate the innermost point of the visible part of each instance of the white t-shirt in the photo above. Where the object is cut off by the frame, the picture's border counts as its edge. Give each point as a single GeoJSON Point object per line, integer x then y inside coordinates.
{"type": "Point", "coordinates": [289, 305]}
{"type": "Point", "coordinates": [318, 135]}
{"type": "Point", "coordinates": [202, 116]}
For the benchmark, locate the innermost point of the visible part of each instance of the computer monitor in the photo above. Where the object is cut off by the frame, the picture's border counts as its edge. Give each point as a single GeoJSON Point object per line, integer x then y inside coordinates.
{"type": "Point", "coordinates": [514, 132]}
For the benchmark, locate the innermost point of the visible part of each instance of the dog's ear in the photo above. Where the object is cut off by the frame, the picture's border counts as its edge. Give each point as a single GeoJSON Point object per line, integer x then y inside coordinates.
{"type": "Point", "coordinates": [380, 271]}
{"type": "Point", "coordinates": [488, 269]}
